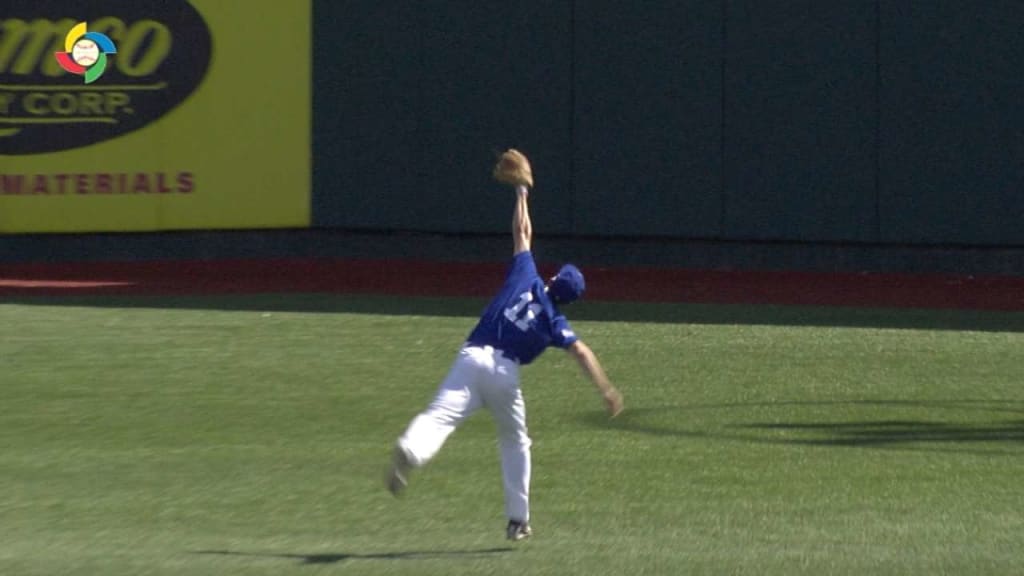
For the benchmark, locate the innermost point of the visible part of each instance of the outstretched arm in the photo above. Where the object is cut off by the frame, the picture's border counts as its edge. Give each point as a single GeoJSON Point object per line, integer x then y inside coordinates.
{"type": "Point", "coordinates": [522, 229]}
{"type": "Point", "coordinates": [592, 369]}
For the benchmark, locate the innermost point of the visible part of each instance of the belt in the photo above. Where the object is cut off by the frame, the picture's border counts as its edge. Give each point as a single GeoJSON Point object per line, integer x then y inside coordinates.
{"type": "Point", "coordinates": [487, 347]}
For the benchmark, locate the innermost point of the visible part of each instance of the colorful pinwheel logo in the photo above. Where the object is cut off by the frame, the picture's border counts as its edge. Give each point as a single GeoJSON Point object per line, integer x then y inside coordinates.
{"type": "Point", "coordinates": [85, 53]}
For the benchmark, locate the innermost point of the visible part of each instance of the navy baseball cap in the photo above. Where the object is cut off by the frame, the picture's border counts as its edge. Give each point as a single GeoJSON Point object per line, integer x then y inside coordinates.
{"type": "Point", "coordinates": [568, 285]}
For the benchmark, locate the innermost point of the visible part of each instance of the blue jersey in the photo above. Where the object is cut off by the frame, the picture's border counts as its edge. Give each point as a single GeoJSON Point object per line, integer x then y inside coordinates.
{"type": "Point", "coordinates": [522, 320]}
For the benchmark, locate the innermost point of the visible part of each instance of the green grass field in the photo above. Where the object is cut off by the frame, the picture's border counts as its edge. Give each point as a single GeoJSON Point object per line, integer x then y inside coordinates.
{"type": "Point", "coordinates": [249, 435]}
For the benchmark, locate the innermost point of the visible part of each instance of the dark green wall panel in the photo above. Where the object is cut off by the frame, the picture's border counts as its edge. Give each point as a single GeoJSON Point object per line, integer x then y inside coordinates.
{"type": "Point", "coordinates": [800, 120]}
{"type": "Point", "coordinates": [952, 146]}
{"type": "Point", "coordinates": [647, 108]}
{"type": "Point", "coordinates": [795, 120]}
{"type": "Point", "coordinates": [416, 99]}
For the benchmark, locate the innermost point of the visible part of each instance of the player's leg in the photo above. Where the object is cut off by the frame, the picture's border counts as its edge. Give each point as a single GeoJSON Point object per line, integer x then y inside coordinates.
{"type": "Point", "coordinates": [456, 399]}
{"type": "Point", "coordinates": [514, 443]}
{"type": "Point", "coordinates": [504, 399]}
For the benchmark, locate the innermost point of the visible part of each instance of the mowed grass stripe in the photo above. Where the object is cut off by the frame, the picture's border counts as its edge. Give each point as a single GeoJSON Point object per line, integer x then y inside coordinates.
{"type": "Point", "coordinates": [248, 435]}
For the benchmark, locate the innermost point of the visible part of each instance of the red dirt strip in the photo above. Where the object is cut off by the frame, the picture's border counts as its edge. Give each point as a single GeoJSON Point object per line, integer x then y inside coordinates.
{"type": "Point", "coordinates": [419, 278]}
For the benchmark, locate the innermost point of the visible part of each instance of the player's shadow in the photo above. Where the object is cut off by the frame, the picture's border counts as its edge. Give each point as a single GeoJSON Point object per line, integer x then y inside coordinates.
{"type": "Point", "coordinates": [311, 559]}
{"type": "Point", "coordinates": [988, 436]}
{"type": "Point", "coordinates": [894, 432]}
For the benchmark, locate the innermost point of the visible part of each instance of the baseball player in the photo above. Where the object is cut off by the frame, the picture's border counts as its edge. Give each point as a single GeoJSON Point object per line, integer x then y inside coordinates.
{"type": "Point", "coordinates": [517, 326]}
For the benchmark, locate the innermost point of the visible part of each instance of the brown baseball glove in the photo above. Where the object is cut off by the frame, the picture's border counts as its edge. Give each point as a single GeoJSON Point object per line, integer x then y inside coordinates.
{"type": "Point", "coordinates": [514, 169]}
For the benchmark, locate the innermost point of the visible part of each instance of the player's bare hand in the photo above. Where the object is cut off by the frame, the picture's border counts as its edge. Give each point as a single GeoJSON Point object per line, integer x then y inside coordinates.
{"type": "Point", "coordinates": [613, 401]}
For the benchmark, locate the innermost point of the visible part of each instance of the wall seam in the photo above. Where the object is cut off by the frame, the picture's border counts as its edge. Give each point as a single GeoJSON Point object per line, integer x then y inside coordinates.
{"type": "Point", "coordinates": [723, 192]}
{"type": "Point", "coordinates": [573, 221]}
{"type": "Point", "coordinates": [878, 121]}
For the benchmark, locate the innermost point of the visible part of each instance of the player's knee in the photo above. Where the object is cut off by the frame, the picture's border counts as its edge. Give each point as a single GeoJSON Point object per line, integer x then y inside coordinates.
{"type": "Point", "coordinates": [517, 441]}
{"type": "Point", "coordinates": [445, 415]}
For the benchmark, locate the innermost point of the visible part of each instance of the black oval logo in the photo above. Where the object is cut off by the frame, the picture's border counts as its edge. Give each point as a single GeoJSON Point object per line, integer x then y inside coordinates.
{"type": "Point", "coordinates": [78, 72]}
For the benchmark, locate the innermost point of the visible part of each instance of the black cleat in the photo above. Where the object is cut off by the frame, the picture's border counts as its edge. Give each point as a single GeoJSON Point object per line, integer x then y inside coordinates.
{"type": "Point", "coordinates": [517, 531]}
{"type": "Point", "coordinates": [398, 475]}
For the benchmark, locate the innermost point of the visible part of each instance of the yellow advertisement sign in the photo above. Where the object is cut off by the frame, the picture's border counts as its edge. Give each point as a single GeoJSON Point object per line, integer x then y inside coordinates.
{"type": "Point", "coordinates": [119, 115]}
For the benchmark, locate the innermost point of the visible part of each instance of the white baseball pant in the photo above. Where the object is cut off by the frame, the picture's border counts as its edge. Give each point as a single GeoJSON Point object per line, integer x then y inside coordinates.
{"type": "Point", "coordinates": [481, 376]}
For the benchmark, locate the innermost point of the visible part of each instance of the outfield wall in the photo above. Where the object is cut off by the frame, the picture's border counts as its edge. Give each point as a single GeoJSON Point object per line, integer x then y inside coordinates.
{"type": "Point", "coordinates": [733, 121]}
{"type": "Point", "coordinates": [877, 122]}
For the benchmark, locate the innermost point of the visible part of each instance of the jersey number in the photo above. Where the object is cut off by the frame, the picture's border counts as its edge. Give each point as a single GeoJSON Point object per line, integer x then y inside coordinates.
{"type": "Point", "coordinates": [524, 312]}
